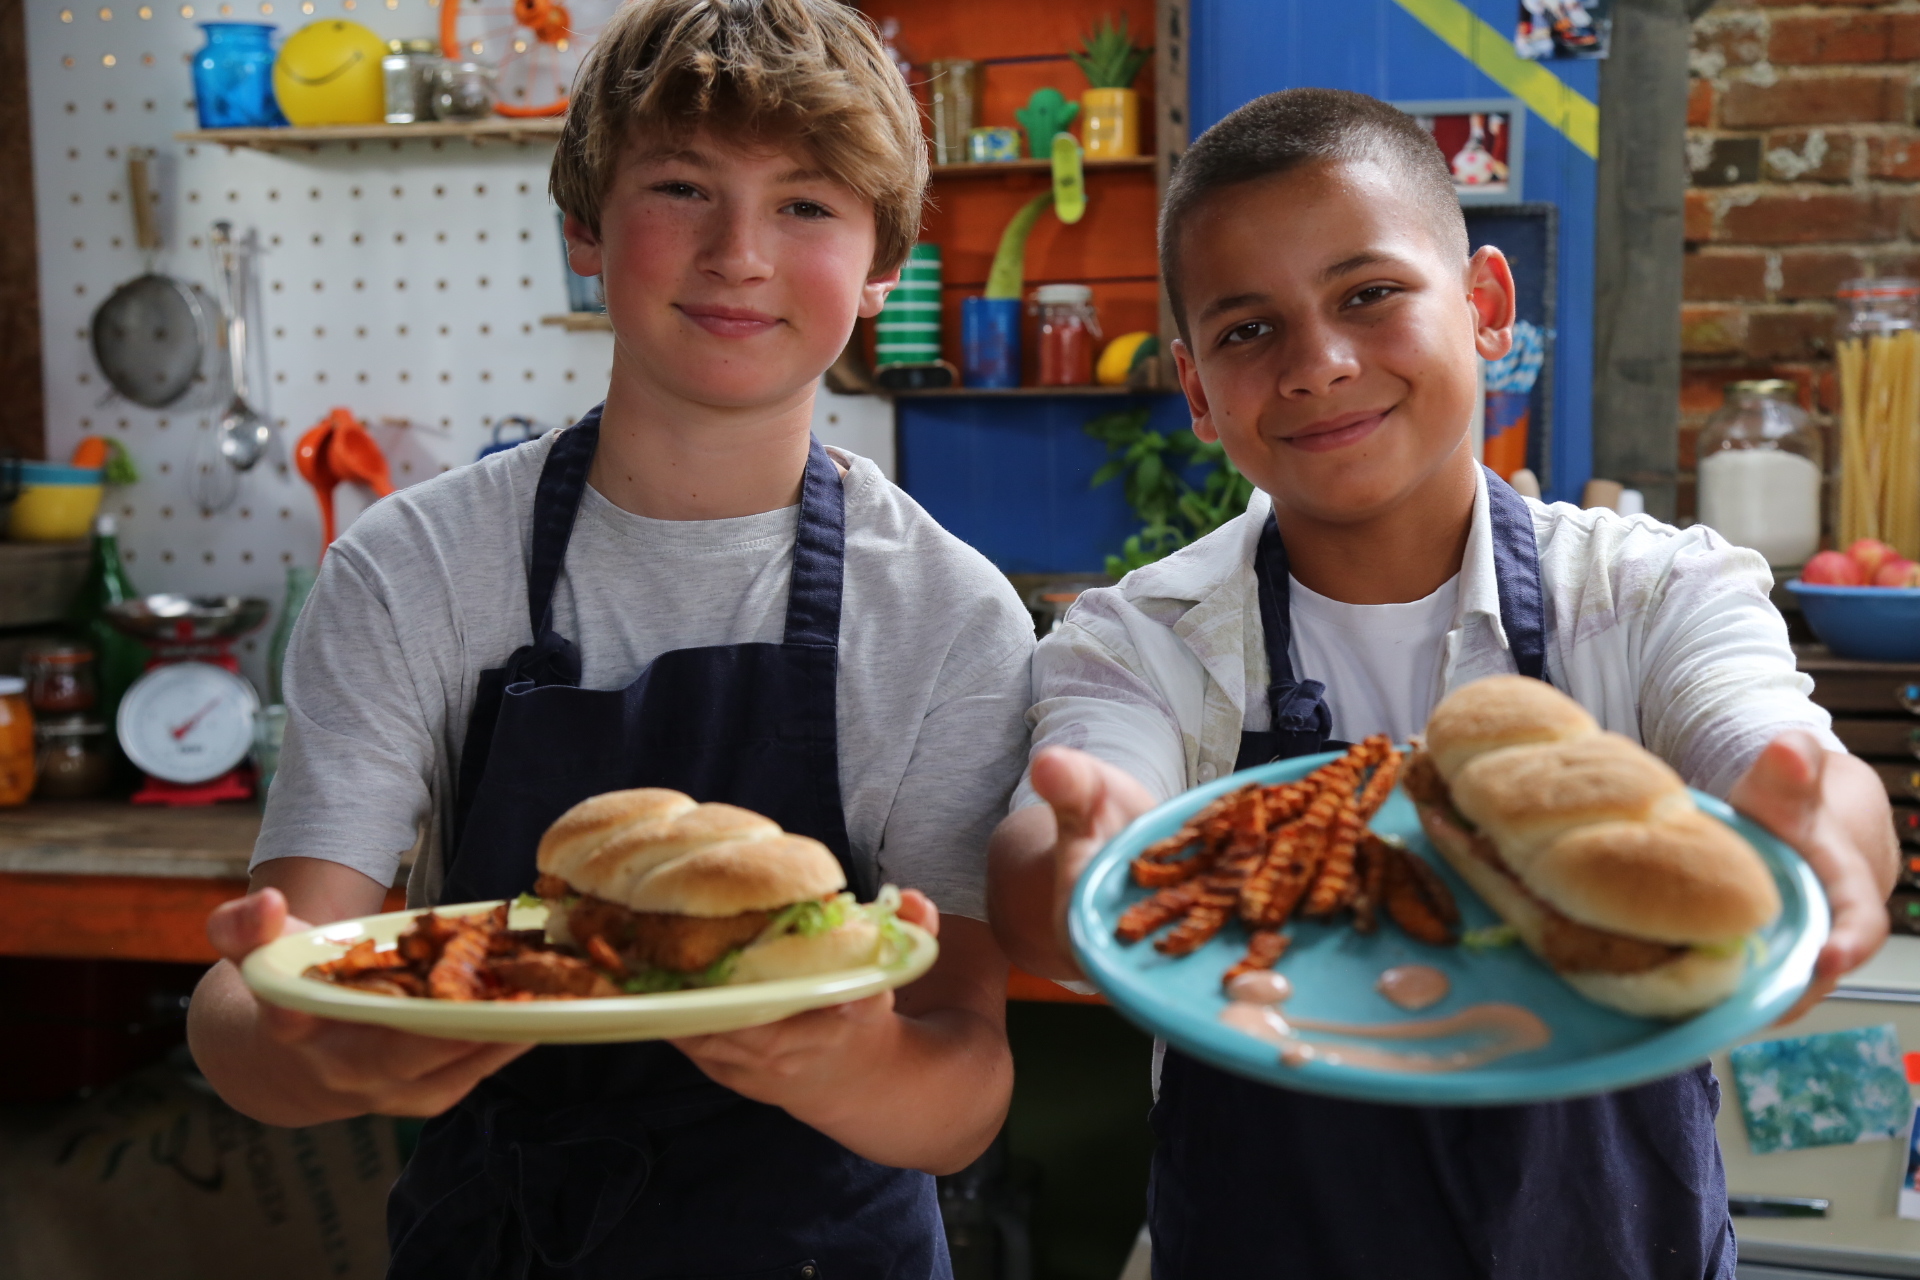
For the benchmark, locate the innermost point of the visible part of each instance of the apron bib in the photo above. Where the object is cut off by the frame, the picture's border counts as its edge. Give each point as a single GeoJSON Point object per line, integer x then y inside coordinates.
{"type": "Point", "coordinates": [1252, 1180]}
{"type": "Point", "coordinates": [597, 1162]}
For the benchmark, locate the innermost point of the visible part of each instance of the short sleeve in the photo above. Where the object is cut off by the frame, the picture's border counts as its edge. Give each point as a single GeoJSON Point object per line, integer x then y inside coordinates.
{"type": "Point", "coordinates": [353, 781]}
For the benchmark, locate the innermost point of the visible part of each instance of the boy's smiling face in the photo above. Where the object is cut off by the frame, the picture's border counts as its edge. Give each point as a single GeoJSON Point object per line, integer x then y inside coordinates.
{"type": "Point", "coordinates": [733, 275]}
{"type": "Point", "coordinates": [1333, 334]}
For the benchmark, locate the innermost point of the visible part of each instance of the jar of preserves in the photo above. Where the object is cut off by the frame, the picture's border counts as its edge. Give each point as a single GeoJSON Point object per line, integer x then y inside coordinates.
{"type": "Point", "coordinates": [1760, 472]}
{"type": "Point", "coordinates": [60, 679]}
{"type": "Point", "coordinates": [16, 742]}
{"type": "Point", "coordinates": [73, 762]}
{"type": "Point", "coordinates": [1068, 330]}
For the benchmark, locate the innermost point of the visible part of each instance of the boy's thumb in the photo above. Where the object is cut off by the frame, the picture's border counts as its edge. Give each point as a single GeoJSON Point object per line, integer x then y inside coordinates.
{"type": "Point", "coordinates": [1065, 779]}
{"type": "Point", "coordinates": [236, 928]}
{"type": "Point", "coordinates": [1782, 789]}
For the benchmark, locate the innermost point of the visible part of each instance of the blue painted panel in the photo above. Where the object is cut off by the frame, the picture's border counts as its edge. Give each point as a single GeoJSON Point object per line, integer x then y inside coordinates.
{"type": "Point", "coordinates": [1244, 48]}
{"type": "Point", "coordinates": [1010, 476]}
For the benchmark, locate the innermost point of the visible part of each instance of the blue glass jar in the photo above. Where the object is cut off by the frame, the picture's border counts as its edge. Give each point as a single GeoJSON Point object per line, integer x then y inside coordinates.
{"type": "Point", "coordinates": [990, 342]}
{"type": "Point", "coordinates": [233, 77]}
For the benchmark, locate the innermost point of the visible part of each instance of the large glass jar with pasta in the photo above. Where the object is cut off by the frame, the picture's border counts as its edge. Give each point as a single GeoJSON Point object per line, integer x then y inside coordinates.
{"type": "Point", "coordinates": [1759, 469]}
{"type": "Point", "coordinates": [1878, 366]}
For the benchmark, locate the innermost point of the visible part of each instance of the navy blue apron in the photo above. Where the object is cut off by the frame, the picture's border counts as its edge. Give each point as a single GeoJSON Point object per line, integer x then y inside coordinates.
{"type": "Point", "coordinates": [624, 1161]}
{"type": "Point", "coordinates": [1252, 1180]}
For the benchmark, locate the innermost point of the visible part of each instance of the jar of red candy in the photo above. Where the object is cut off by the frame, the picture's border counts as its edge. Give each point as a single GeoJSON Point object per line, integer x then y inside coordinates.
{"type": "Point", "coordinates": [60, 679]}
{"type": "Point", "coordinates": [1068, 333]}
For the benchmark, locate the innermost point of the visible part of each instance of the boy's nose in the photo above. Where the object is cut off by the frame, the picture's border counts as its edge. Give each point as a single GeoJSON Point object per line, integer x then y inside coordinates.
{"type": "Point", "coordinates": [1315, 361]}
{"type": "Point", "coordinates": [735, 251]}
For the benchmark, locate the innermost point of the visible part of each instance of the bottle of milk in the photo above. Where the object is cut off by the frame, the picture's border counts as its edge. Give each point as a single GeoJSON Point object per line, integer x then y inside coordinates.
{"type": "Point", "coordinates": [1760, 472]}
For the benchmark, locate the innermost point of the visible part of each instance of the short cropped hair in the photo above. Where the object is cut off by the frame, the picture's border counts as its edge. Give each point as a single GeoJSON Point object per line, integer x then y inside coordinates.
{"type": "Point", "coordinates": [1295, 127]}
{"type": "Point", "coordinates": [811, 72]}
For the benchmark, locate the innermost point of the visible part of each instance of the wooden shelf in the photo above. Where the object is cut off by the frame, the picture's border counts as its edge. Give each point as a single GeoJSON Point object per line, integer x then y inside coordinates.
{"type": "Point", "coordinates": [1003, 167]}
{"type": "Point", "coordinates": [580, 322]}
{"type": "Point", "coordinates": [477, 133]}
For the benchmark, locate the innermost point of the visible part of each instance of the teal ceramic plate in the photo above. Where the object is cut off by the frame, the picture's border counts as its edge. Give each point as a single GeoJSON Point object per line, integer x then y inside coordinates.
{"type": "Point", "coordinates": [1333, 970]}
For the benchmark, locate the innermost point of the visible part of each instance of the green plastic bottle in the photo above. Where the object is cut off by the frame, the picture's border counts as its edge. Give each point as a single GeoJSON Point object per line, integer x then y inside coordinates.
{"type": "Point", "coordinates": [118, 658]}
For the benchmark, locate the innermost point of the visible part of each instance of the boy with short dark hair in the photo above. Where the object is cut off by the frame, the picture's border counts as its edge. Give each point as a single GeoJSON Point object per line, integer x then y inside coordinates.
{"type": "Point", "coordinates": [683, 590]}
{"type": "Point", "coordinates": [1331, 317]}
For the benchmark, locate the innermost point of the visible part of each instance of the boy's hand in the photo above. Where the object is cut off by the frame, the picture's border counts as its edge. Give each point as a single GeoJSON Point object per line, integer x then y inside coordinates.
{"type": "Point", "coordinates": [1038, 853]}
{"type": "Point", "coordinates": [350, 1068]}
{"type": "Point", "coordinates": [1832, 808]}
{"type": "Point", "coordinates": [803, 1059]}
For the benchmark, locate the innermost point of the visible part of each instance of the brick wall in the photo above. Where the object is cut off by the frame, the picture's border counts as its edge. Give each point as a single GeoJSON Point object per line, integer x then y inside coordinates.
{"type": "Point", "coordinates": [1805, 171]}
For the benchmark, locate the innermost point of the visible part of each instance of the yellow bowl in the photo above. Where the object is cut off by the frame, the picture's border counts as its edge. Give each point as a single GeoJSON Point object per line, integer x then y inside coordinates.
{"type": "Point", "coordinates": [54, 512]}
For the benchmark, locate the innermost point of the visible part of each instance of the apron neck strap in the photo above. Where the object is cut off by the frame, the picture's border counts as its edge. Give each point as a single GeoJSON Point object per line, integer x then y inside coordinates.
{"type": "Point", "coordinates": [1298, 711]}
{"type": "Point", "coordinates": [1516, 559]}
{"type": "Point", "coordinates": [552, 658]}
{"type": "Point", "coordinates": [819, 555]}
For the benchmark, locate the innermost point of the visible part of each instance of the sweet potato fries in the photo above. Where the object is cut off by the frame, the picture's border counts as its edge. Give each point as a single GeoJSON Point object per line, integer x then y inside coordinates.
{"type": "Point", "coordinates": [1265, 853]}
{"type": "Point", "coordinates": [472, 958]}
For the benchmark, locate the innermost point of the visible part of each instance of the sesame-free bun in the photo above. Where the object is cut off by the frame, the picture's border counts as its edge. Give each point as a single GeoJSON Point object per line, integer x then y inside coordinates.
{"type": "Point", "coordinates": [741, 875]}
{"type": "Point", "coordinates": [855, 942]}
{"type": "Point", "coordinates": [1683, 880]}
{"type": "Point", "coordinates": [1497, 712]}
{"type": "Point", "coordinates": [579, 832]}
{"type": "Point", "coordinates": [1527, 797]}
{"type": "Point", "coordinates": [1677, 988]}
{"type": "Point", "coordinates": [619, 865]}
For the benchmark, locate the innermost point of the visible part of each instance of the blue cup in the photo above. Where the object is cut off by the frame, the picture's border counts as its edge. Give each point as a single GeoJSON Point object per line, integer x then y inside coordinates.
{"type": "Point", "coordinates": [990, 342]}
{"type": "Point", "coordinates": [233, 77]}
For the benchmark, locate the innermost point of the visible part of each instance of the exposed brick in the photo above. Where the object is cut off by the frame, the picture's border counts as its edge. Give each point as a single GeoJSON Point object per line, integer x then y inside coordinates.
{"type": "Point", "coordinates": [1811, 217]}
{"type": "Point", "coordinates": [1698, 222]}
{"type": "Point", "coordinates": [1723, 162]}
{"type": "Point", "coordinates": [1700, 103]}
{"type": "Point", "coordinates": [1896, 157]}
{"type": "Point", "coordinates": [1903, 37]}
{"type": "Point", "coordinates": [1704, 390]}
{"type": "Point", "coordinates": [1830, 37]}
{"type": "Point", "coordinates": [1815, 274]}
{"type": "Point", "coordinates": [1800, 334]}
{"type": "Point", "coordinates": [1725, 277]}
{"type": "Point", "coordinates": [1895, 264]}
{"type": "Point", "coordinates": [1722, 40]}
{"type": "Point", "coordinates": [1712, 331]}
{"type": "Point", "coordinates": [1812, 155]}
{"type": "Point", "coordinates": [1821, 99]}
{"type": "Point", "coordinates": [1689, 442]}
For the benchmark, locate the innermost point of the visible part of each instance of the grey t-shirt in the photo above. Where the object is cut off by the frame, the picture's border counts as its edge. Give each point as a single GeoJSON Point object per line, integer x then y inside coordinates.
{"type": "Point", "coordinates": [428, 589]}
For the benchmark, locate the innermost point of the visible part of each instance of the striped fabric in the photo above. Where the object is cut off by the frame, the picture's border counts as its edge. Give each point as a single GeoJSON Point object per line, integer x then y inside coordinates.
{"type": "Point", "coordinates": [908, 328]}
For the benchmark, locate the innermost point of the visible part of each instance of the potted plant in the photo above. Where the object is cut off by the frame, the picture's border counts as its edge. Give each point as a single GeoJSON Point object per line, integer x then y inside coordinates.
{"type": "Point", "coordinates": [1110, 123]}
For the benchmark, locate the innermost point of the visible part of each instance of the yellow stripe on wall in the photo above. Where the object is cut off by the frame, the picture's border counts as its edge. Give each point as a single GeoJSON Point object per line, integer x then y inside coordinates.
{"type": "Point", "coordinates": [1550, 97]}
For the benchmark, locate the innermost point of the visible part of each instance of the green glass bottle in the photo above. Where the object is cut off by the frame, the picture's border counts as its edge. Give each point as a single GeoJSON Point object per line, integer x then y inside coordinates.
{"type": "Point", "coordinates": [118, 658]}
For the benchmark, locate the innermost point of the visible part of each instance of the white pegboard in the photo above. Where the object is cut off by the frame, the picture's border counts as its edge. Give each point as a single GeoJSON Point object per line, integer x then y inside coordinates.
{"type": "Point", "coordinates": [403, 281]}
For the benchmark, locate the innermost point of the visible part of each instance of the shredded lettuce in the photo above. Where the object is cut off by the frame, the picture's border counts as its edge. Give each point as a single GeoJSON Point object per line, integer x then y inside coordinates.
{"type": "Point", "coordinates": [1752, 945]}
{"type": "Point", "coordinates": [529, 900]}
{"type": "Point", "coordinates": [1489, 937]}
{"type": "Point", "coordinates": [650, 980]}
{"type": "Point", "coordinates": [816, 916]}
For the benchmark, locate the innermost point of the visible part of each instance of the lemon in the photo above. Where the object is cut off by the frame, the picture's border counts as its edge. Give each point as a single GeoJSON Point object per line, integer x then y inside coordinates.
{"type": "Point", "coordinates": [1122, 355]}
{"type": "Point", "coordinates": [329, 73]}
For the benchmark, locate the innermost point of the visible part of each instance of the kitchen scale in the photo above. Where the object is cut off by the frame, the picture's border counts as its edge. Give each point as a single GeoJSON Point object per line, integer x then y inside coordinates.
{"type": "Point", "coordinates": [188, 722]}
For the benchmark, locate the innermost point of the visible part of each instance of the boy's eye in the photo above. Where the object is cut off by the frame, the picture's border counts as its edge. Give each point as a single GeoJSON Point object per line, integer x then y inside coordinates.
{"type": "Point", "coordinates": [1246, 332]}
{"type": "Point", "coordinates": [679, 190]}
{"type": "Point", "coordinates": [1371, 294]}
{"type": "Point", "coordinates": [809, 209]}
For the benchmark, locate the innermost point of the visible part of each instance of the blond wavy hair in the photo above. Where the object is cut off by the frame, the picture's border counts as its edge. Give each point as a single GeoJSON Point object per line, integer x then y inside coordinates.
{"type": "Point", "coordinates": [780, 72]}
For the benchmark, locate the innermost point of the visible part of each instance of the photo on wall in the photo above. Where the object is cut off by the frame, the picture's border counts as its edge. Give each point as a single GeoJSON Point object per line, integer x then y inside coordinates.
{"type": "Point", "coordinates": [1563, 29]}
{"type": "Point", "coordinates": [1483, 140]}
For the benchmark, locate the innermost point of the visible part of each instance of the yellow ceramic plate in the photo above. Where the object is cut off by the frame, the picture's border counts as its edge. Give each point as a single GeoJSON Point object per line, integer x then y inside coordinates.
{"type": "Point", "coordinates": [274, 973]}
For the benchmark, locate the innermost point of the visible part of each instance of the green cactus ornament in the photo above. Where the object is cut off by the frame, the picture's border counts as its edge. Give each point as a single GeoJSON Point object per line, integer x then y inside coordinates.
{"type": "Point", "coordinates": [1047, 112]}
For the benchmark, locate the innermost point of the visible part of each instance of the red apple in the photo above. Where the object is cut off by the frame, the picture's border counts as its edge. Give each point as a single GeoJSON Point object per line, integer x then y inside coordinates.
{"type": "Point", "coordinates": [1898, 572]}
{"type": "Point", "coordinates": [1833, 569]}
{"type": "Point", "coordinates": [1870, 554]}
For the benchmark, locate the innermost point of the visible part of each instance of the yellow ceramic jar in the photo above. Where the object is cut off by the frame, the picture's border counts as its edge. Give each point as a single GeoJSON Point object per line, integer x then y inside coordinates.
{"type": "Point", "coordinates": [1110, 123]}
{"type": "Point", "coordinates": [57, 503]}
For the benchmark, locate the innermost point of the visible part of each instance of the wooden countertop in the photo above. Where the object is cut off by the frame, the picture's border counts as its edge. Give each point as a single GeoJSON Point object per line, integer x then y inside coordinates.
{"type": "Point", "coordinates": [113, 838]}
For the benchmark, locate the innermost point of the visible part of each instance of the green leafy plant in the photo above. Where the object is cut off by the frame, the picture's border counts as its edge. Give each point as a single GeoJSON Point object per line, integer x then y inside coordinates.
{"type": "Point", "coordinates": [1154, 468]}
{"type": "Point", "coordinates": [1108, 56]}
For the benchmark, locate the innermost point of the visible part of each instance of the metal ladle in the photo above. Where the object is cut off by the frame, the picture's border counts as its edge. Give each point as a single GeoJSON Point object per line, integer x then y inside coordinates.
{"type": "Point", "coordinates": [244, 435]}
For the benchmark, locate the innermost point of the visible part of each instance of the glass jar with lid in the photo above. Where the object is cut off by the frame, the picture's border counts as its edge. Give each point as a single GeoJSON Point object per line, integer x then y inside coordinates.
{"type": "Point", "coordinates": [1068, 328]}
{"type": "Point", "coordinates": [16, 742]}
{"type": "Point", "coordinates": [1879, 305]}
{"type": "Point", "coordinates": [408, 72]}
{"type": "Point", "coordinates": [60, 678]}
{"type": "Point", "coordinates": [1760, 470]}
{"type": "Point", "coordinates": [73, 762]}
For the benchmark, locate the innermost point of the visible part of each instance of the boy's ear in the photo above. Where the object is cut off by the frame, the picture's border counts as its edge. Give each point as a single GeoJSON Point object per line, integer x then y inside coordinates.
{"type": "Point", "coordinates": [873, 294]}
{"type": "Point", "coordinates": [1189, 374]}
{"type": "Point", "coordinates": [1490, 294]}
{"type": "Point", "coordinates": [583, 247]}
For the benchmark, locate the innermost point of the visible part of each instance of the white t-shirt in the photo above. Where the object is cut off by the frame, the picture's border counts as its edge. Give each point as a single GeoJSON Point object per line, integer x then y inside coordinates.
{"type": "Point", "coordinates": [428, 589]}
{"type": "Point", "coordinates": [1381, 663]}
